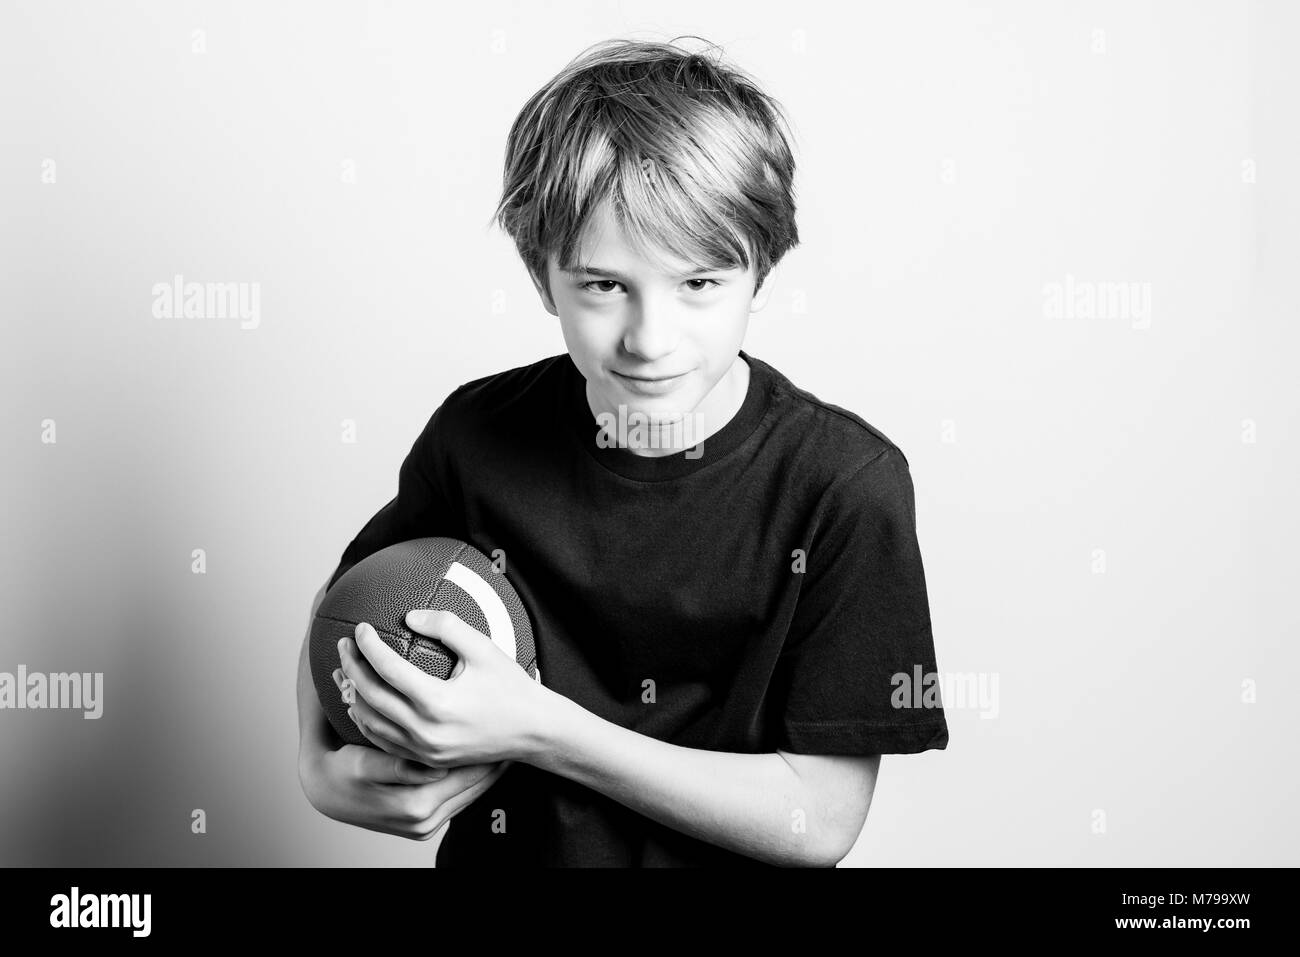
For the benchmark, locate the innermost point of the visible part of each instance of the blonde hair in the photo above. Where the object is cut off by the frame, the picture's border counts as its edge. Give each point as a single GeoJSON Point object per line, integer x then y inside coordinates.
{"type": "Point", "coordinates": [691, 153]}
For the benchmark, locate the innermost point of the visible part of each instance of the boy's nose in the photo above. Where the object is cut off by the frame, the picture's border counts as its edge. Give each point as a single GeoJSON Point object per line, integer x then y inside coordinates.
{"type": "Point", "coordinates": [651, 333]}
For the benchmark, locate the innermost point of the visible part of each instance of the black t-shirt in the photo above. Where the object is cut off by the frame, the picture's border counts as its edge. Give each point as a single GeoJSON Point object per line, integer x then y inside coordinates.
{"type": "Point", "coordinates": [771, 588]}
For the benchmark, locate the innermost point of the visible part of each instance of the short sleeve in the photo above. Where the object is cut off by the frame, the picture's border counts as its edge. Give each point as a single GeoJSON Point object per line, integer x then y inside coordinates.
{"type": "Point", "coordinates": [422, 505]}
{"type": "Point", "coordinates": [860, 640]}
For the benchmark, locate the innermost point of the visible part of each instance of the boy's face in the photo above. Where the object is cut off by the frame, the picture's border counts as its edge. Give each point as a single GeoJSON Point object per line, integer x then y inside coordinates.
{"type": "Point", "coordinates": [662, 341]}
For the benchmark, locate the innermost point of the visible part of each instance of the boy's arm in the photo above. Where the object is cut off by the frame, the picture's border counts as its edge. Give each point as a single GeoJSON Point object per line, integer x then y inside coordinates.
{"type": "Point", "coordinates": [799, 810]}
{"type": "Point", "coordinates": [313, 726]}
{"type": "Point", "coordinates": [862, 620]}
{"type": "Point", "coordinates": [802, 808]}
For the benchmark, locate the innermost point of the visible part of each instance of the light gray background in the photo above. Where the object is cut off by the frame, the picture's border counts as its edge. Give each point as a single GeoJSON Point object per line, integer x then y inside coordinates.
{"type": "Point", "coordinates": [954, 159]}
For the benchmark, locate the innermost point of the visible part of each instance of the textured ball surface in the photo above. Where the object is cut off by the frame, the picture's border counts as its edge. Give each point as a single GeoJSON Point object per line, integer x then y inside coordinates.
{"type": "Point", "coordinates": [437, 573]}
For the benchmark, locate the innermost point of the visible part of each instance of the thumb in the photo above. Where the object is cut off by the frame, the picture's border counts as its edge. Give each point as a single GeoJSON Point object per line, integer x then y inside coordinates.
{"type": "Point", "coordinates": [407, 771]}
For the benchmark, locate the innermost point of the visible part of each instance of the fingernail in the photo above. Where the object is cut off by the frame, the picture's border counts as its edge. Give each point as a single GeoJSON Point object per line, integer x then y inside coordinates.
{"type": "Point", "coordinates": [352, 716]}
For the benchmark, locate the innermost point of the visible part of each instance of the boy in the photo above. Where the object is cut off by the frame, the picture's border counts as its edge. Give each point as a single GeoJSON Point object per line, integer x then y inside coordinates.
{"type": "Point", "coordinates": [723, 601]}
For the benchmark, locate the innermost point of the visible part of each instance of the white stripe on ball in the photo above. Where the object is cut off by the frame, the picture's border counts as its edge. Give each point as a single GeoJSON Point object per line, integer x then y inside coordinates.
{"type": "Point", "coordinates": [500, 628]}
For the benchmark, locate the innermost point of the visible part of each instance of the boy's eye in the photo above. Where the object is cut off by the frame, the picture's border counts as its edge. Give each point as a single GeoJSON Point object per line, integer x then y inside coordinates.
{"type": "Point", "coordinates": [611, 282]}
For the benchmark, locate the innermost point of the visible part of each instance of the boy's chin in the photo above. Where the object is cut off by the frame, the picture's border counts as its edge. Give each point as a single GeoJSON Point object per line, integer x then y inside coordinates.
{"type": "Point", "coordinates": [668, 406]}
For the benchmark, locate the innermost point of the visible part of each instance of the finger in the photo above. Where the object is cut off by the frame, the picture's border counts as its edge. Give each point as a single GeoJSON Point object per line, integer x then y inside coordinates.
{"type": "Point", "coordinates": [464, 776]}
{"type": "Point", "coordinates": [382, 743]}
{"type": "Point", "coordinates": [408, 681]}
{"type": "Point", "coordinates": [379, 694]}
{"type": "Point", "coordinates": [406, 771]}
{"type": "Point", "coordinates": [362, 713]}
{"type": "Point", "coordinates": [465, 642]}
{"type": "Point", "coordinates": [347, 688]}
{"type": "Point", "coordinates": [458, 802]}
{"type": "Point", "coordinates": [473, 773]}
{"type": "Point", "coordinates": [384, 768]}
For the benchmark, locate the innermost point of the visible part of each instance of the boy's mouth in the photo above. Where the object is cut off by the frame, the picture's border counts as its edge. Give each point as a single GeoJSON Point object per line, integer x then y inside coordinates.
{"type": "Point", "coordinates": [649, 385]}
{"type": "Point", "coordinates": [650, 378]}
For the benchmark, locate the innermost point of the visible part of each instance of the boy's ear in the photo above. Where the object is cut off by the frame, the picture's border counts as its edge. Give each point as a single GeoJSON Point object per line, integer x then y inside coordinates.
{"type": "Point", "coordinates": [547, 301]}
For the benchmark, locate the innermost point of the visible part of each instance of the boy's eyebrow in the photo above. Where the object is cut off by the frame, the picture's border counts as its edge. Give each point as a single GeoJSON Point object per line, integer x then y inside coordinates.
{"type": "Point", "coordinates": [581, 270]}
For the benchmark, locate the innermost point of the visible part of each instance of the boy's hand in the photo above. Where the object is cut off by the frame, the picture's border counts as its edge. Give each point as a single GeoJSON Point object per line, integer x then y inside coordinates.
{"type": "Point", "coordinates": [489, 709]}
{"type": "Point", "coordinates": [368, 788]}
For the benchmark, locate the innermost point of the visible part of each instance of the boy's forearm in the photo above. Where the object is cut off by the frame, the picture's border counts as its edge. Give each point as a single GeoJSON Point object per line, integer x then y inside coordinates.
{"type": "Point", "coordinates": [311, 715]}
{"type": "Point", "coordinates": [753, 804]}
{"type": "Point", "coordinates": [312, 723]}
